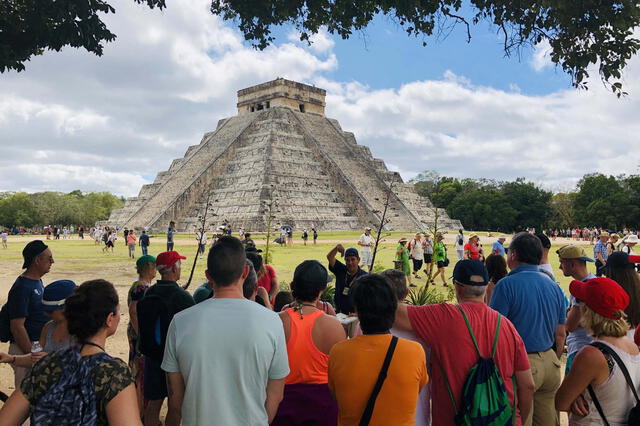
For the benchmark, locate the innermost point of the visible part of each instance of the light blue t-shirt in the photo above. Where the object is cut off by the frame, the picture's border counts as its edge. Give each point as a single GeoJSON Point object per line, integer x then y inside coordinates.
{"type": "Point", "coordinates": [580, 337]}
{"type": "Point", "coordinates": [533, 303]}
{"type": "Point", "coordinates": [498, 248]}
{"type": "Point", "coordinates": [226, 351]}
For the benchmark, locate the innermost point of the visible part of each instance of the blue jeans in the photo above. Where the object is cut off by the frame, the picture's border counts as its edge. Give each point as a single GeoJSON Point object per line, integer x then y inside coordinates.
{"type": "Point", "coordinates": [144, 249]}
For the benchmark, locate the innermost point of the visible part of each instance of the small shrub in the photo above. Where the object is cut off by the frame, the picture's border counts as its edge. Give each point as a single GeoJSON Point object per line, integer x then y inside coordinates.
{"type": "Point", "coordinates": [328, 295]}
{"type": "Point", "coordinates": [419, 296]}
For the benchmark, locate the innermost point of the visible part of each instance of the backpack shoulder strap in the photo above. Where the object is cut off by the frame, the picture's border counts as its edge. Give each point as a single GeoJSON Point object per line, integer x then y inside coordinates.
{"type": "Point", "coordinates": [473, 337]}
{"type": "Point", "coordinates": [623, 368]}
{"type": "Point", "coordinates": [368, 411]}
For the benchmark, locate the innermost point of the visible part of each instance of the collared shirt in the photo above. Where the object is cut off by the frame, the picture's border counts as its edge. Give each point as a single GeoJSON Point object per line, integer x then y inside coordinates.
{"type": "Point", "coordinates": [498, 248]}
{"type": "Point", "coordinates": [533, 303]}
{"type": "Point", "coordinates": [601, 248]}
{"type": "Point", "coordinates": [580, 337]}
{"type": "Point", "coordinates": [343, 286]}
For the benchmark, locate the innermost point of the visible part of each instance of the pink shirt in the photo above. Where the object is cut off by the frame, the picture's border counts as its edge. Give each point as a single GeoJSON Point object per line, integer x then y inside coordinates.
{"type": "Point", "coordinates": [131, 238]}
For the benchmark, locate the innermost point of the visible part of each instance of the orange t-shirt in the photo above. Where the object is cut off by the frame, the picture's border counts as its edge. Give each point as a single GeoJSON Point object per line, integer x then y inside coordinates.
{"type": "Point", "coordinates": [307, 364]}
{"type": "Point", "coordinates": [354, 366]}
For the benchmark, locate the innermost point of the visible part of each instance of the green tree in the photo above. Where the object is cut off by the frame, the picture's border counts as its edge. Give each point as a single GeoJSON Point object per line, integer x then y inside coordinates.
{"type": "Point", "coordinates": [580, 33]}
{"type": "Point", "coordinates": [561, 211]}
{"type": "Point", "coordinates": [602, 201]}
{"type": "Point", "coordinates": [29, 27]}
{"type": "Point", "coordinates": [18, 210]}
{"type": "Point", "coordinates": [529, 201]}
{"type": "Point", "coordinates": [486, 208]}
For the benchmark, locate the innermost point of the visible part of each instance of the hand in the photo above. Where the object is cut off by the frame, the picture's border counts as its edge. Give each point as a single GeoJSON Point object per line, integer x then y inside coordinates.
{"type": "Point", "coordinates": [579, 407]}
{"type": "Point", "coordinates": [5, 358]}
{"type": "Point", "coordinates": [35, 357]}
{"type": "Point", "coordinates": [340, 249]}
{"type": "Point", "coordinates": [262, 292]}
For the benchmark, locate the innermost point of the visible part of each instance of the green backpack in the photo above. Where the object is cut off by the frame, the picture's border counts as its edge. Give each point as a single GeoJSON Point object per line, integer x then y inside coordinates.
{"type": "Point", "coordinates": [484, 397]}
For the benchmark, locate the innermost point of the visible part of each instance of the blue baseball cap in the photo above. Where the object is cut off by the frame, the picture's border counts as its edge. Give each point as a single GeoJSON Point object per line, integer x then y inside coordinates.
{"type": "Point", "coordinates": [351, 252]}
{"type": "Point", "coordinates": [56, 293]}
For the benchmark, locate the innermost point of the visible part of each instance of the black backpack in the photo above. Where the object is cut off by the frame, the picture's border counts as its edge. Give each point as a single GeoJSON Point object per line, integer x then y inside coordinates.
{"type": "Point", "coordinates": [154, 317]}
{"type": "Point", "coordinates": [634, 414]}
{"type": "Point", "coordinates": [460, 240]}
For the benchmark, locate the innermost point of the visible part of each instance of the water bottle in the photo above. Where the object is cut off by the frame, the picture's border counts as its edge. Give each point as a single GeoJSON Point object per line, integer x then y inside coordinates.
{"type": "Point", "coordinates": [35, 347]}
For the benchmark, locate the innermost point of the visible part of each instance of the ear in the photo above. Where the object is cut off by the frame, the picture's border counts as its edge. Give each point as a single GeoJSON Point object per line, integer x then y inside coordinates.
{"type": "Point", "coordinates": [245, 272]}
{"type": "Point", "coordinates": [208, 275]}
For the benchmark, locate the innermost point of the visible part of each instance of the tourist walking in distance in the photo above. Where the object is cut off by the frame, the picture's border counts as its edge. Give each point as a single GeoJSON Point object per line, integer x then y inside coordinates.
{"type": "Point", "coordinates": [356, 364]}
{"type": "Point", "coordinates": [24, 308]}
{"type": "Point", "coordinates": [417, 254]}
{"type": "Point", "coordinates": [144, 242]}
{"type": "Point", "coordinates": [126, 234]}
{"type": "Point", "coordinates": [305, 236]}
{"type": "Point", "coordinates": [597, 373]}
{"type": "Point", "coordinates": [448, 330]}
{"type": "Point", "coordinates": [132, 239]}
{"type": "Point", "coordinates": [155, 310]}
{"type": "Point", "coordinates": [535, 304]}
{"type": "Point", "coordinates": [310, 334]}
{"type": "Point", "coordinates": [171, 230]}
{"type": "Point", "coordinates": [440, 258]}
{"type": "Point", "coordinates": [201, 238]}
{"type": "Point", "coordinates": [315, 236]}
{"type": "Point", "coordinates": [366, 244]}
{"type": "Point", "coordinates": [4, 236]}
{"type": "Point", "coordinates": [402, 259]}
{"type": "Point", "coordinates": [237, 383]}
{"type": "Point", "coordinates": [82, 385]}
{"type": "Point", "coordinates": [346, 273]}
{"type": "Point", "coordinates": [427, 250]}
{"type": "Point", "coordinates": [460, 244]}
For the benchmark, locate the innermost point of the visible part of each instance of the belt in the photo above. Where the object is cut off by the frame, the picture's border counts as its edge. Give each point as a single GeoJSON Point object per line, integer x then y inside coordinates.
{"type": "Point", "coordinates": [538, 352]}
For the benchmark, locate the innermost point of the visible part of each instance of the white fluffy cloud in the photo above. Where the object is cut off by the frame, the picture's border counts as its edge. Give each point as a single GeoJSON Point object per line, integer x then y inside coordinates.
{"type": "Point", "coordinates": [76, 121]}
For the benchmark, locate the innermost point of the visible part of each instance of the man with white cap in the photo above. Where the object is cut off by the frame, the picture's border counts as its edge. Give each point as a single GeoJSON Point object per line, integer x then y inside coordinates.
{"type": "Point", "coordinates": [366, 243]}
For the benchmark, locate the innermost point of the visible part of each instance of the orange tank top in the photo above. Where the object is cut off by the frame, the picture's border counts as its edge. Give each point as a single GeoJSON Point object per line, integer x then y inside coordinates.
{"type": "Point", "coordinates": [306, 362]}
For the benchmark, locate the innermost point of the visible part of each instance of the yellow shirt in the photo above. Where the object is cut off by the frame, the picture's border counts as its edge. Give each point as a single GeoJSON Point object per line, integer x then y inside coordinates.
{"type": "Point", "coordinates": [354, 366]}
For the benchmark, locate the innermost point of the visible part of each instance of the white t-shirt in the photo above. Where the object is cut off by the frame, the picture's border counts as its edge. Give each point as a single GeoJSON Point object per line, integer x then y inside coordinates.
{"type": "Point", "coordinates": [226, 350]}
{"type": "Point", "coordinates": [415, 249]}
{"type": "Point", "coordinates": [459, 242]}
{"type": "Point", "coordinates": [366, 239]}
{"type": "Point", "coordinates": [4, 236]}
{"type": "Point", "coordinates": [204, 238]}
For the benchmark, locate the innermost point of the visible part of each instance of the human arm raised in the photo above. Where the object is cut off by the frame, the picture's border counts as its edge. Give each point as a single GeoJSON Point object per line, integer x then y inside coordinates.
{"type": "Point", "coordinates": [402, 318]}
{"type": "Point", "coordinates": [331, 256]}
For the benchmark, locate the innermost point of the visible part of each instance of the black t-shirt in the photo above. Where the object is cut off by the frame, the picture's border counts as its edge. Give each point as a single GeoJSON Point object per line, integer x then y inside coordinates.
{"type": "Point", "coordinates": [343, 285]}
{"type": "Point", "coordinates": [25, 301]}
{"type": "Point", "coordinates": [178, 298]}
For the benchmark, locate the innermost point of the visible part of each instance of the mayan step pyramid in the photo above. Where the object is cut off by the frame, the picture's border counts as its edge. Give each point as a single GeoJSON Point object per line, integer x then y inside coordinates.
{"type": "Point", "coordinates": [279, 161]}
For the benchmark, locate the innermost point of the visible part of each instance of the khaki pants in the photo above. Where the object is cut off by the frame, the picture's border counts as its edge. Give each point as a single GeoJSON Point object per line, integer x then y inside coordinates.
{"type": "Point", "coordinates": [19, 372]}
{"type": "Point", "coordinates": [545, 368]}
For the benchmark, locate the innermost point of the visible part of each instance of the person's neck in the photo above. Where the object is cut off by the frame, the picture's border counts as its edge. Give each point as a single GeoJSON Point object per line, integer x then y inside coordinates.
{"type": "Point", "coordinates": [354, 271]}
{"type": "Point", "coordinates": [233, 291]}
{"type": "Point", "coordinates": [146, 280]}
{"type": "Point", "coordinates": [99, 339]}
{"type": "Point", "coordinates": [32, 274]}
{"type": "Point", "coordinates": [580, 274]}
{"type": "Point", "coordinates": [468, 299]}
{"type": "Point", "coordinates": [375, 333]}
{"type": "Point", "coordinates": [307, 304]}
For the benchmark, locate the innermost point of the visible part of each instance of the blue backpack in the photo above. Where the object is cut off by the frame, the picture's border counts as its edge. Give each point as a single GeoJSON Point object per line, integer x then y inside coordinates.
{"type": "Point", "coordinates": [71, 400]}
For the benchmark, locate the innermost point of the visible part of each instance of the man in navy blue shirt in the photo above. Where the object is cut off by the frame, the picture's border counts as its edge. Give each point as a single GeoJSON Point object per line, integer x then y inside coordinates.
{"type": "Point", "coordinates": [144, 242]}
{"type": "Point", "coordinates": [346, 273]}
{"type": "Point", "coordinates": [535, 305]}
{"type": "Point", "coordinates": [24, 303]}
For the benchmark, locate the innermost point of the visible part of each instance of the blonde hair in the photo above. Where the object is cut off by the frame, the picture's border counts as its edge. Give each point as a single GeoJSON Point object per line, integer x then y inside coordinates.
{"type": "Point", "coordinates": [602, 326]}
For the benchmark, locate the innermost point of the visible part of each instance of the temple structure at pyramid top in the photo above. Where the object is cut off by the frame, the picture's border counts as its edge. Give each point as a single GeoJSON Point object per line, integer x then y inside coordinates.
{"type": "Point", "coordinates": [279, 161]}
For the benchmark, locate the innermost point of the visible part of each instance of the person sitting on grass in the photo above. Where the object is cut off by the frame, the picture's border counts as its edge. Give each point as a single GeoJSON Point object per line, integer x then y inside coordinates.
{"type": "Point", "coordinates": [310, 335]}
{"type": "Point", "coordinates": [82, 384]}
{"type": "Point", "coordinates": [55, 334]}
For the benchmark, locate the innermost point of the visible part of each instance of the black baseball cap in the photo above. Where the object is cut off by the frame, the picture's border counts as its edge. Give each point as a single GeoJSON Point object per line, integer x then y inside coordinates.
{"type": "Point", "coordinates": [311, 271]}
{"type": "Point", "coordinates": [31, 250]}
{"type": "Point", "coordinates": [620, 259]}
{"type": "Point", "coordinates": [468, 268]}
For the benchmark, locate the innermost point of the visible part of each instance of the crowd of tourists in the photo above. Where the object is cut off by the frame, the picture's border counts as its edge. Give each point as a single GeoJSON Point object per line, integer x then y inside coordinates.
{"type": "Point", "coordinates": [243, 351]}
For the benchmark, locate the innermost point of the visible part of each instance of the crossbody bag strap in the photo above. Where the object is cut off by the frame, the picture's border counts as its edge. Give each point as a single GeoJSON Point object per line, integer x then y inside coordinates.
{"type": "Point", "coordinates": [594, 398]}
{"type": "Point", "coordinates": [623, 368]}
{"type": "Point", "coordinates": [368, 411]}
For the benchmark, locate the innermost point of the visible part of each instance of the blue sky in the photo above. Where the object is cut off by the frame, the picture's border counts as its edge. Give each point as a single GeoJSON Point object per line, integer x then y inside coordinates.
{"type": "Point", "coordinates": [111, 123]}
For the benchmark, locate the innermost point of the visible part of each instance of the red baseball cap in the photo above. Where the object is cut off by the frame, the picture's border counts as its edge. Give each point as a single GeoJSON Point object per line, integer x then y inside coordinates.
{"type": "Point", "coordinates": [167, 259]}
{"type": "Point", "coordinates": [602, 295]}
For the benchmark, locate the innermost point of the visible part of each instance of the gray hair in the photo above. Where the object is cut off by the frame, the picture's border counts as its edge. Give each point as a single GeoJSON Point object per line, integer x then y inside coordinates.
{"type": "Point", "coordinates": [472, 290]}
{"type": "Point", "coordinates": [398, 282]}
